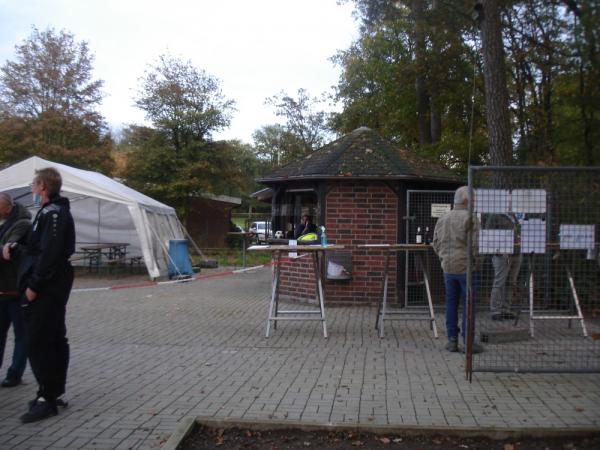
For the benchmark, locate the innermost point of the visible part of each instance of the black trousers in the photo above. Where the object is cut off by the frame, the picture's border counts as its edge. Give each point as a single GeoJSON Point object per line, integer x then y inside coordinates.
{"type": "Point", "coordinates": [46, 340]}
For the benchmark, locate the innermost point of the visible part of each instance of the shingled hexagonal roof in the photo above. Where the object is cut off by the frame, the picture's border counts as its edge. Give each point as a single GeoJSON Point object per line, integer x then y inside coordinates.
{"type": "Point", "coordinates": [361, 154]}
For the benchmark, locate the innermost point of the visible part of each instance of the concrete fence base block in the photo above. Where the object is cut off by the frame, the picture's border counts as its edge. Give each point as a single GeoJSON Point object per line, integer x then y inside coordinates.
{"type": "Point", "coordinates": [209, 264]}
{"type": "Point", "coordinates": [504, 336]}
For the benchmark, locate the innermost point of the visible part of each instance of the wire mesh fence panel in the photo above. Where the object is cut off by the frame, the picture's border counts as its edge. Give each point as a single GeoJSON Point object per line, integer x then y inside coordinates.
{"type": "Point", "coordinates": [424, 207]}
{"type": "Point", "coordinates": [536, 269]}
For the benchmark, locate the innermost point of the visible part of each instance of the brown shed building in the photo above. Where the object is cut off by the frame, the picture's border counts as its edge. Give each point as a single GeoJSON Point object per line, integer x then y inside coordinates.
{"type": "Point", "coordinates": [359, 187]}
{"type": "Point", "coordinates": [209, 219]}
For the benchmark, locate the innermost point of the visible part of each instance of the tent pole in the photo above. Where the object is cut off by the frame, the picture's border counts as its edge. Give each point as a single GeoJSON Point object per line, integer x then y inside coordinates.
{"type": "Point", "coordinates": [166, 250]}
{"type": "Point", "coordinates": [202, 255]}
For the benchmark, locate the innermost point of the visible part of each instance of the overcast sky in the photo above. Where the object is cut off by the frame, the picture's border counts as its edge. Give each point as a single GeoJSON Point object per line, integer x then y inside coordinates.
{"type": "Point", "coordinates": [255, 48]}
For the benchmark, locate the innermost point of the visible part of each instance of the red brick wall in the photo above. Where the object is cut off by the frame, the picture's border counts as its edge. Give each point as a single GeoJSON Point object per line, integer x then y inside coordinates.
{"type": "Point", "coordinates": [356, 214]}
{"type": "Point", "coordinates": [297, 279]}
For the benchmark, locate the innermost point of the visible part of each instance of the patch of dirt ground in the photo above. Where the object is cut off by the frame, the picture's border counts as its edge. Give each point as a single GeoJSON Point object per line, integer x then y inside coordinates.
{"type": "Point", "coordinates": [203, 437]}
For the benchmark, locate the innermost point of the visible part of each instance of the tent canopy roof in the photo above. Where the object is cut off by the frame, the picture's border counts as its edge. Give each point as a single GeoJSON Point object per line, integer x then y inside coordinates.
{"type": "Point", "coordinates": [78, 181]}
{"type": "Point", "coordinates": [105, 210]}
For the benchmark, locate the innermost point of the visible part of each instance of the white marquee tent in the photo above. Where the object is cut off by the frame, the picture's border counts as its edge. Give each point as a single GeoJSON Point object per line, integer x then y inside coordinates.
{"type": "Point", "coordinates": [104, 210]}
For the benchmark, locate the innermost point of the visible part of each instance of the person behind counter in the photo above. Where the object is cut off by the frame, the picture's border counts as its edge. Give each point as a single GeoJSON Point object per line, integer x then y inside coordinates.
{"type": "Point", "coordinates": [304, 227]}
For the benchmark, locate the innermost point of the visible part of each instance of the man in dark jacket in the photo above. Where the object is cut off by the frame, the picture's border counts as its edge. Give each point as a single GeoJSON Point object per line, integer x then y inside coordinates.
{"type": "Point", "coordinates": [305, 227]}
{"type": "Point", "coordinates": [16, 222]}
{"type": "Point", "coordinates": [45, 277]}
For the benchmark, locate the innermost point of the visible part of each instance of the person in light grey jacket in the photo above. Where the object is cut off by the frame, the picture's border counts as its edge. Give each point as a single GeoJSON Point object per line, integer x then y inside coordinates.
{"type": "Point", "coordinates": [450, 244]}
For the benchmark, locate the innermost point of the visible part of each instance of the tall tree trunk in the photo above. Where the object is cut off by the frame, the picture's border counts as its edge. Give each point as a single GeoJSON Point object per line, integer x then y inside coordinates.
{"type": "Point", "coordinates": [420, 91]}
{"type": "Point", "coordinates": [436, 125]}
{"type": "Point", "coordinates": [434, 101]}
{"type": "Point", "coordinates": [585, 117]}
{"type": "Point", "coordinates": [496, 92]}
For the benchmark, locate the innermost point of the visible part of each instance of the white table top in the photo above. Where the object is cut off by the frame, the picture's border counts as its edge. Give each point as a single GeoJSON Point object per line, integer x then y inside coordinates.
{"type": "Point", "coordinates": [296, 248]}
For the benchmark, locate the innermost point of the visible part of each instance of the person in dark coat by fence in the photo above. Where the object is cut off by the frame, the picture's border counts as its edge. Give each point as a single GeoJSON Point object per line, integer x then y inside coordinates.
{"type": "Point", "coordinates": [16, 221]}
{"type": "Point", "coordinates": [45, 278]}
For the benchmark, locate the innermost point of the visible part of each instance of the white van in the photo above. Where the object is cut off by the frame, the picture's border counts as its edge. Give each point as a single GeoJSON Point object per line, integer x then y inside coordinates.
{"type": "Point", "coordinates": [262, 230]}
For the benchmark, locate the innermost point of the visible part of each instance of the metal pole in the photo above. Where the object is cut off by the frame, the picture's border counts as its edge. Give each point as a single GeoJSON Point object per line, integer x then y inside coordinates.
{"type": "Point", "coordinates": [469, 297]}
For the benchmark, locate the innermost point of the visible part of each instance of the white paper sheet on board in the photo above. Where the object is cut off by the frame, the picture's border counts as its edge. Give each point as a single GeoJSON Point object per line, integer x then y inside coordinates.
{"type": "Point", "coordinates": [292, 243]}
{"type": "Point", "coordinates": [533, 236]}
{"type": "Point", "coordinates": [577, 236]}
{"type": "Point", "coordinates": [491, 200]}
{"type": "Point", "coordinates": [439, 209]}
{"type": "Point", "coordinates": [528, 201]}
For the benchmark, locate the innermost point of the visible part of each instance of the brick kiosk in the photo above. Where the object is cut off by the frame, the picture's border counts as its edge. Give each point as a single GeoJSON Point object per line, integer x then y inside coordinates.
{"type": "Point", "coordinates": [356, 187]}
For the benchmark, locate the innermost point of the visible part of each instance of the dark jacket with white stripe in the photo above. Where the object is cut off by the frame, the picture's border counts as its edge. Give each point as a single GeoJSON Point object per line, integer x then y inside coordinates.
{"type": "Point", "coordinates": [50, 243]}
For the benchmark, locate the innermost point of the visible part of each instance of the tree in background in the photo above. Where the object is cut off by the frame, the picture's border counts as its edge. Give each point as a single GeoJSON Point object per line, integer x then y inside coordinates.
{"type": "Point", "coordinates": [410, 76]}
{"type": "Point", "coordinates": [275, 146]}
{"type": "Point", "coordinates": [305, 120]}
{"type": "Point", "coordinates": [49, 101]}
{"type": "Point", "coordinates": [182, 101]}
{"type": "Point", "coordinates": [582, 95]}
{"type": "Point", "coordinates": [416, 74]}
{"type": "Point", "coordinates": [494, 74]}
{"type": "Point", "coordinates": [152, 167]}
{"type": "Point", "coordinates": [175, 159]}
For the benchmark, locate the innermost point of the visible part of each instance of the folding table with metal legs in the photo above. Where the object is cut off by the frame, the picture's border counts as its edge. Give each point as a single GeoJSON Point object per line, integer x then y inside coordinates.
{"type": "Point", "coordinates": [383, 311]}
{"type": "Point", "coordinates": [317, 253]}
{"type": "Point", "coordinates": [578, 313]}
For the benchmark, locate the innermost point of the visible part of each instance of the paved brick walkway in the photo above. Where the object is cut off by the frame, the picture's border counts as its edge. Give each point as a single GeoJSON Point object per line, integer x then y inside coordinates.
{"type": "Point", "coordinates": [143, 359]}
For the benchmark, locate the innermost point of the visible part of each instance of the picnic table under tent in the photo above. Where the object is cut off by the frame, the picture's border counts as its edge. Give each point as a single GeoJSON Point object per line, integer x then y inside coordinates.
{"type": "Point", "coordinates": [104, 210]}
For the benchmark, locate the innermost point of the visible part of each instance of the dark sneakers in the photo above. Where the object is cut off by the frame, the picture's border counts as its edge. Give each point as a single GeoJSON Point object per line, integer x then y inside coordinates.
{"type": "Point", "coordinates": [40, 409]}
{"type": "Point", "coordinates": [452, 345]}
{"type": "Point", "coordinates": [10, 382]}
{"type": "Point", "coordinates": [59, 402]}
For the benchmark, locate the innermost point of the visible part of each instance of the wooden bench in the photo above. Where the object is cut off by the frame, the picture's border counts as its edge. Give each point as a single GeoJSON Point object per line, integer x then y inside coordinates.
{"type": "Point", "coordinates": [135, 262]}
{"type": "Point", "coordinates": [75, 257]}
{"type": "Point", "coordinates": [115, 261]}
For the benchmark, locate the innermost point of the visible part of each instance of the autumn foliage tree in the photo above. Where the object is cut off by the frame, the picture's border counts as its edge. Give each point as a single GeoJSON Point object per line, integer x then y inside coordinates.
{"type": "Point", "coordinates": [48, 99]}
{"type": "Point", "coordinates": [305, 128]}
{"type": "Point", "coordinates": [175, 159]}
{"type": "Point", "coordinates": [183, 101]}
